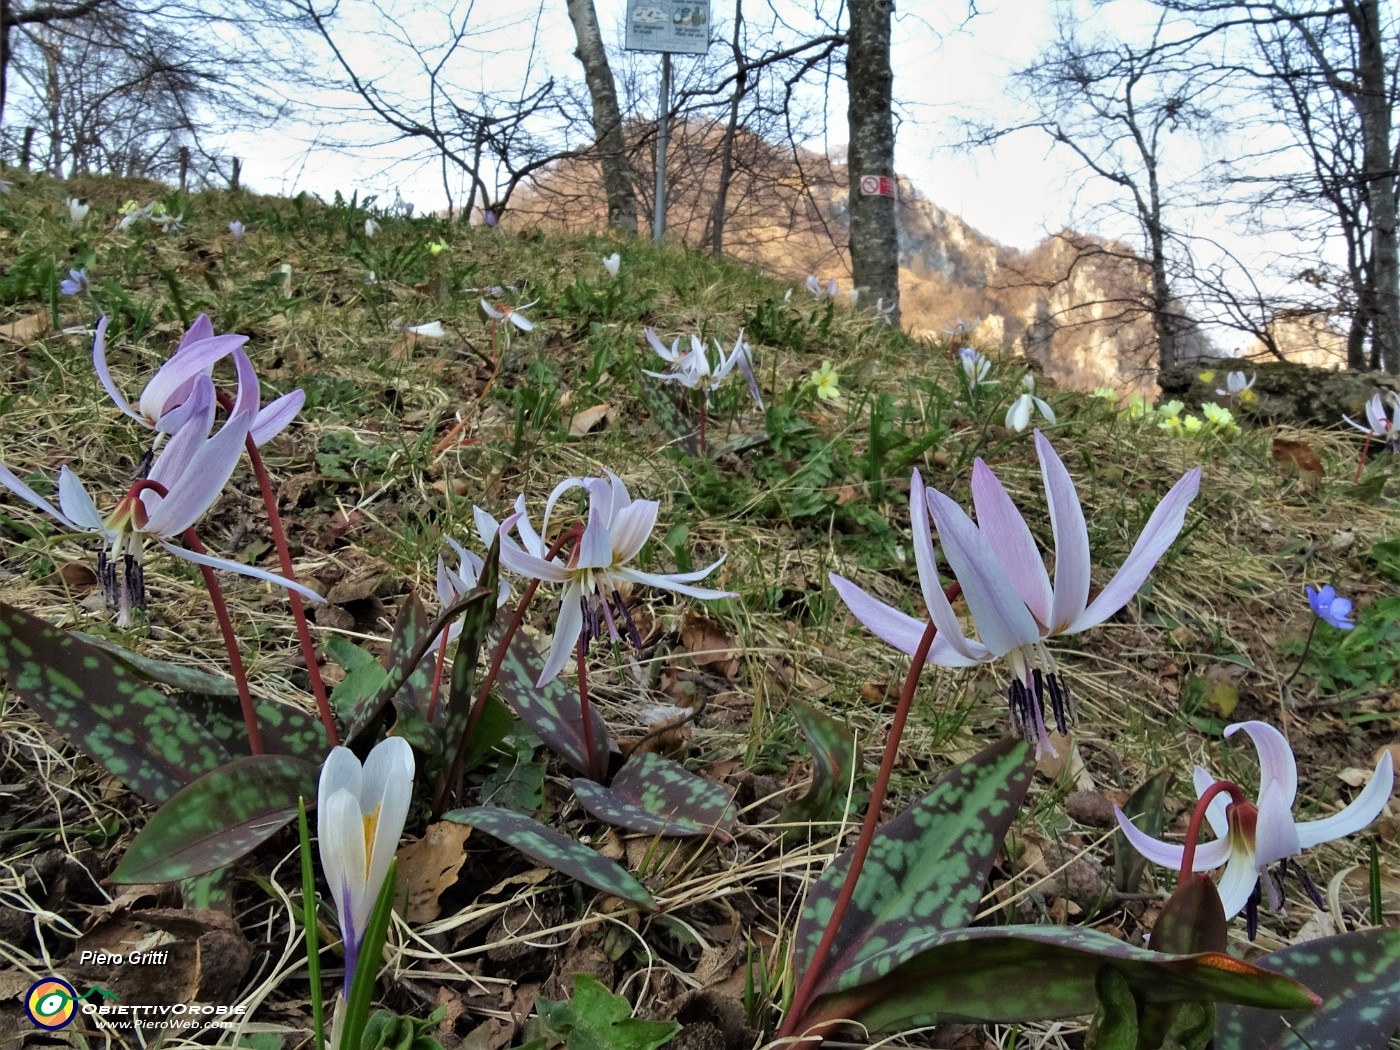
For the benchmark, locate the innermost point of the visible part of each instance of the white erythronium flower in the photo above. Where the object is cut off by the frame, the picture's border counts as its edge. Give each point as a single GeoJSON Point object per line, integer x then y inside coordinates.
{"type": "Point", "coordinates": [821, 291]}
{"type": "Point", "coordinates": [77, 210]}
{"type": "Point", "coordinates": [612, 263]}
{"type": "Point", "coordinates": [453, 583]}
{"type": "Point", "coordinates": [1249, 839]}
{"type": "Point", "coordinates": [191, 469]}
{"type": "Point", "coordinates": [511, 314]}
{"type": "Point", "coordinates": [1007, 588]}
{"type": "Point", "coordinates": [694, 371]}
{"type": "Point", "coordinates": [597, 566]}
{"type": "Point", "coordinates": [162, 404]}
{"type": "Point", "coordinates": [431, 330]}
{"type": "Point", "coordinates": [371, 227]}
{"type": "Point", "coordinates": [1236, 386]}
{"type": "Point", "coordinates": [975, 366]}
{"type": "Point", "coordinates": [360, 813]}
{"type": "Point", "coordinates": [237, 229]}
{"type": "Point", "coordinates": [1018, 416]}
{"type": "Point", "coordinates": [1386, 428]}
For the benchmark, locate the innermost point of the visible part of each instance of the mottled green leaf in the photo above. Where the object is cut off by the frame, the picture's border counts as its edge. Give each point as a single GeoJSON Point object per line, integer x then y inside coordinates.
{"type": "Point", "coordinates": [407, 648]}
{"type": "Point", "coordinates": [924, 873]}
{"type": "Point", "coordinates": [552, 711]}
{"type": "Point", "coordinates": [656, 796]}
{"type": "Point", "coordinates": [595, 1019]}
{"type": "Point", "coordinates": [548, 847]}
{"type": "Point", "coordinates": [1027, 973]}
{"type": "Point", "coordinates": [1192, 920]}
{"type": "Point", "coordinates": [1358, 977]}
{"type": "Point", "coordinates": [286, 730]}
{"type": "Point", "coordinates": [517, 782]}
{"type": "Point", "coordinates": [219, 818]}
{"type": "Point", "coordinates": [491, 728]}
{"type": "Point", "coordinates": [177, 676]}
{"type": "Point", "coordinates": [833, 749]}
{"type": "Point", "coordinates": [1147, 810]}
{"type": "Point", "coordinates": [135, 731]}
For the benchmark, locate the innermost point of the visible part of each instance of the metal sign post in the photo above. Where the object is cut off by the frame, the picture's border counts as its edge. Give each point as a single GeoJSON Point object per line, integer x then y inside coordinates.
{"type": "Point", "coordinates": [670, 27]}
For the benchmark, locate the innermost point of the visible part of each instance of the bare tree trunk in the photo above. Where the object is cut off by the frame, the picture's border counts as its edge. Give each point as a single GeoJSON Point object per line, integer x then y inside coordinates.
{"type": "Point", "coordinates": [869, 85]}
{"type": "Point", "coordinates": [1373, 106]}
{"type": "Point", "coordinates": [607, 118]}
{"type": "Point", "coordinates": [714, 234]}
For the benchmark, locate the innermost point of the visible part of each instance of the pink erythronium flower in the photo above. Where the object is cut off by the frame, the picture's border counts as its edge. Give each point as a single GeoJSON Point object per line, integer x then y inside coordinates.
{"type": "Point", "coordinates": [192, 468]}
{"type": "Point", "coordinates": [1007, 588]}
{"type": "Point", "coordinates": [511, 314]}
{"type": "Point", "coordinates": [597, 566]}
{"type": "Point", "coordinates": [1248, 842]}
{"type": "Point", "coordinates": [1386, 428]}
{"type": "Point", "coordinates": [453, 583]}
{"type": "Point", "coordinates": [694, 371]}
{"type": "Point", "coordinates": [162, 404]}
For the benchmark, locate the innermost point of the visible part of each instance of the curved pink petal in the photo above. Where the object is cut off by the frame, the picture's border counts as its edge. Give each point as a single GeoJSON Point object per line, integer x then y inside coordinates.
{"type": "Point", "coordinates": [24, 492]}
{"type": "Point", "coordinates": [883, 621]}
{"type": "Point", "coordinates": [671, 583]}
{"type": "Point", "coordinates": [559, 490]}
{"type": "Point", "coordinates": [1365, 808]}
{"type": "Point", "coordinates": [1163, 853]}
{"type": "Point", "coordinates": [536, 568]}
{"type": "Point", "coordinates": [194, 360]}
{"type": "Point", "coordinates": [200, 330]}
{"type": "Point", "coordinates": [940, 610]}
{"type": "Point", "coordinates": [212, 562]}
{"type": "Point", "coordinates": [1071, 538]}
{"type": "Point", "coordinates": [596, 547]}
{"type": "Point", "coordinates": [1278, 770]}
{"type": "Point", "coordinates": [1010, 538]}
{"type": "Point", "coordinates": [631, 530]}
{"type": "Point", "coordinates": [1217, 813]}
{"type": "Point", "coordinates": [275, 416]}
{"type": "Point", "coordinates": [1003, 621]}
{"type": "Point", "coordinates": [77, 505]}
{"type": "Point", "coordinates": [1161, 530]}
{"type": "Point", "coordinates": [104, 376]}
{"type": "Point", "coordinates": [174, 459]}
{"type": "Point", "coordinates": [566, 634]}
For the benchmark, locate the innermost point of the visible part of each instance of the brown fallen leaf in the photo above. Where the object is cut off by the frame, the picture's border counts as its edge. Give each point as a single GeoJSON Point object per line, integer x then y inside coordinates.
{"type": "Point", "coordinates": [588, 419]}
{"type": "Point", "coordinates": [429, 867]}
{"type": "Point", "coordinates": [709, 644]}
{"type": "Point", "coordinates": [1299, 456]}
{"type": "Point", "coordinates": [26, 329]}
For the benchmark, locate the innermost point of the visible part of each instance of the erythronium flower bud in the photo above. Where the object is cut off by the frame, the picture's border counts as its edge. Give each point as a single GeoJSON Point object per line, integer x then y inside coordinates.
{"type": "Point", "coordinates": [1252, 838]}
{"type": "Point", "coordinates": [237, 229]}
{"type": "Point", "coordinates": [1008, 590]}
{"type": "Point", "coordinates": [1238, 387]}
{"type": "Point", "coordinates": [597, 566]}
{"type": "Point", "coordinates": [360, 814]}
{"type": "Point", "coordinates": [77, 210]}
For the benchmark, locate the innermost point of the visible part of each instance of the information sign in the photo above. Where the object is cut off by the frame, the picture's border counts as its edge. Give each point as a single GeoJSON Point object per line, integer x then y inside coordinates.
{"type": "Point", "coordinates": [681, 27]}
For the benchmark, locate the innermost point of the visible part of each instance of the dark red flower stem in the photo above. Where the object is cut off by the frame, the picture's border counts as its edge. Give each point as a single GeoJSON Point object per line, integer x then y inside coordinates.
{"type": "Point", "coordinates": [802, 997]}
{"type": "Point", "coordinates": [235, 659]}
{"type": "Point", "coordinates": [444, 791]}
{"type": "Point", "coordinates": [309, 654]}
{"type": "Point", "coordinates": [594, 773]}
{"type": "Point", "coordinates": [1198, 816]}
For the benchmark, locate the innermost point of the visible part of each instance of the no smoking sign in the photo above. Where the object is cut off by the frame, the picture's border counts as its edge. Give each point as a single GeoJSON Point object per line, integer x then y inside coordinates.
{"type": "Point", "coordinates": [877, 186]}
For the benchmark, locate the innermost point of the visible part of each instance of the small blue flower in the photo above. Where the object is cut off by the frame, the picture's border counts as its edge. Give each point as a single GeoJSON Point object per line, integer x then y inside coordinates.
{"type": "Point", "coordinates": [75, 283]}
{"type": "Point", "coordinates": [1330, 606]}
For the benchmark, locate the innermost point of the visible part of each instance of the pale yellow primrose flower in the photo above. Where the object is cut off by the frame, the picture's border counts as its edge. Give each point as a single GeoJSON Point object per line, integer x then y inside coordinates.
{"type": "Point", "coordinates": [1191, 425]}
{"type": "Point", "coordinates": [1207, 376]}
{"type": "Point", "coordinates": [1106, 393]}
{"type": "Point", "coordinates": [1139, 407]}
{"type": "Point", "coordinates": [827, 382]}
{"type": "Point", "coordinates": [360, 813]}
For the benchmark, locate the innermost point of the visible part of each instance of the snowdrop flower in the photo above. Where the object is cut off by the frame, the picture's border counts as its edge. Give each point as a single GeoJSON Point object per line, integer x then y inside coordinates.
{"type": "Point", "coordinates": [431, 330]}
{"type": "Point", "coordinates": [599, 564]}
{"type": "Point", "coordinates": [77, 210]}
{"type": "Point", "coordinates": [360, 813]}
{"type": "Point", "coordinates": [1386, 428]}
{"type": "Point", "coordinates": [1008, 590]}
{"type": "Point", "coordinates": [1018, 416]}
{"type": "Point", "coordinates": [1330, 607]}
{"type": "Point", "coordinates": [162, 404]}
{"type": "Point", "coordinates": [511, 314]}
{"type": "Point", "coordinates": [184, 481]}
{"type": "Point", "coordinates": [371, 227]}
{"type": "Point", "coordinates": [693, 370]}
{"type": "Point", "coordinates": [1249, 839]}
{"type": "Point", "coordinates": [975, 367]}
{"type": "Point", "coordinates": [1237, 387]}
{"type": "Point", "coordinates": [612, 263]}
{"type": "Point", "coordinates": [826, 382]}
{"type": "Point", "coordinates": [237, 229]}
{"type": "Point", "coordinates": [75, 283]}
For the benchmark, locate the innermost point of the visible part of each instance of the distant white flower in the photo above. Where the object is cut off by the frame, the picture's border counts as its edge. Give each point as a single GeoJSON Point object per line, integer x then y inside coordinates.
{"type": "Point", "coordinates": [1237, 387]}
{"type": "Point", "coordinates": [77, 210]}
{"type": "Point", "coordinates": [511, 314]}
{"type": "Point", "coordinates": [787, 296]}
{"type": "Point", "coordinates": [975, 366]}
{"type": "Point", "coordinates": [1018, 416]}
{"type": "Point", "coordinates": [827, 291]}
{"type": "Point", "coordinates": [6, 185]}
{"type": "Point", "coordinates": [431, 330]}
{"type": "Point", "coordinates": [371, 227]}
{"type": "Point", "coordinates": [1381, 426]}
{"type": "Point", "coordinates": [236, 228]}
{"type": "Point", "coordinates": [855, 297]}
{"type": "Point", "coordinates": [884, 311]}
{"type": "Point", "coordinates": [612, 263]}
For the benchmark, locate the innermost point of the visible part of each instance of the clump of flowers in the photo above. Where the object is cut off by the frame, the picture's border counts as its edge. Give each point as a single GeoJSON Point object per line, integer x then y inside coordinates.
{"type": "Point", "coordinates": [1220, 419]}
{"type": "Point", "coordinates": [820, 290]}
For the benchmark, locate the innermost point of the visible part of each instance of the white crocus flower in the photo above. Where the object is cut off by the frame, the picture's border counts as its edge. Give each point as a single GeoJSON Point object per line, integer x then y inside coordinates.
{"type": "Point", "coordinates": [360, 815]}
{"type": "Point", "coordinates": [599, 564]}
{"type": "Point", "coordinates": [612, 263]}
{"type": "Point", "coordinates": [1249, 839]}
{"type": "Point", "coordinates": [1008, 590]}
{"type": "Point", "coordinates": [1018, 416]}
{"type": "Point", "coordinates": [1236, 386]}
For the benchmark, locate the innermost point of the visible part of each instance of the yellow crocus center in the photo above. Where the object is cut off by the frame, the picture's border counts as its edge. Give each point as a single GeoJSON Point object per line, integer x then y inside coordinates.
{"type": "Point", "coordinates": [371, 825]}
